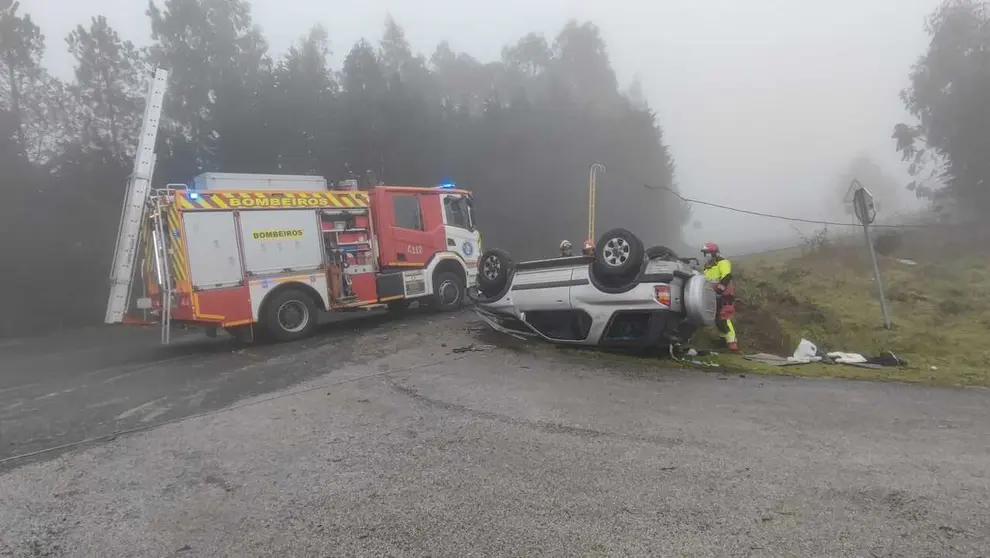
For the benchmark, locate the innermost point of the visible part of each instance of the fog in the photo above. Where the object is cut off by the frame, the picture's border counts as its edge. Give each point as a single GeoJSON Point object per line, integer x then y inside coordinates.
{"type": "Point", "coordinates": [762, 102]}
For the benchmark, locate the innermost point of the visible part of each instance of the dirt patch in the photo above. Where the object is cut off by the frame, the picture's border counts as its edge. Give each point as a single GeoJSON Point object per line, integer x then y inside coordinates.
{"type": "Point", "coordinates": [770, 316]}
{"type": "Point", "coordinates": [762, 329]}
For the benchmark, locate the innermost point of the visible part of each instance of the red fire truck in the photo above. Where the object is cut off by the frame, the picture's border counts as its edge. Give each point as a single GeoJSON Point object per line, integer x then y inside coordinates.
{"type": "Point", "coordinates": [262, 255]}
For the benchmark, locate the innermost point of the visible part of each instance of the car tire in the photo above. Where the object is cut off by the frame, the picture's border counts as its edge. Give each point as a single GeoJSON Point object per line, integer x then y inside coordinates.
{"type": "Point", "coordinates": [445, 297]}
{"type": "Point", "coordinates": [493, 271]}
{"type": "Point", "coordinates": [661, 252]}
{"type": "Point", "coordinates": [618, 254]}
{"type": "Point", "coordinates": [290, 315]}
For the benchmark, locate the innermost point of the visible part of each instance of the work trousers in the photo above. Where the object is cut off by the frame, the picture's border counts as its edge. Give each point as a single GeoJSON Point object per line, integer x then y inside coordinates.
{"type": "Point", "coordinates": [724, 312]}
{"type": "Point", "coordinates": [727, 330]}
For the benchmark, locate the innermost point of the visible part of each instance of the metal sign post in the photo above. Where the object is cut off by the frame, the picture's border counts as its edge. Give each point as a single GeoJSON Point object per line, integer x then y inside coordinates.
{"type": "Point", "coordinates": [866, 212]}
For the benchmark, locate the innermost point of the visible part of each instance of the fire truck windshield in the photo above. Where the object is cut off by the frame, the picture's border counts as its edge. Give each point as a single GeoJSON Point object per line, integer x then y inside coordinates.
{"type": "Point", "coordinates": [469, 211]}
{"type": "Point", "coordinates": [459, 211]}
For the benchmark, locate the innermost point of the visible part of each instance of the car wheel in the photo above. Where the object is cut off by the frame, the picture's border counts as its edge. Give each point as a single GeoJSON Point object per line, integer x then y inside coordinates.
{"type": "Point", "coordinates": [448, 291]}
{"type": "Point", "coordinates": [662, 253]}
{"type": "Point", "coordinates": [290, 315]}
{"type": "Point", "coordinates": [619, 253]}
{"type": "Point", "coordinates": [493, 271]}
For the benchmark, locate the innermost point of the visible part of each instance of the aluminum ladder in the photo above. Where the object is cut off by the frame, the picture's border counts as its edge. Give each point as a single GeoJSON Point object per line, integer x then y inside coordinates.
{"type": "Point", "coordinates": [135, 199]}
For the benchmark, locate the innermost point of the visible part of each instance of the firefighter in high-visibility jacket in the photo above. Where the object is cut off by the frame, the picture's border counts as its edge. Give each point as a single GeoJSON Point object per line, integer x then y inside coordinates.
{"type": "Point", "coordinates": [718, 271]}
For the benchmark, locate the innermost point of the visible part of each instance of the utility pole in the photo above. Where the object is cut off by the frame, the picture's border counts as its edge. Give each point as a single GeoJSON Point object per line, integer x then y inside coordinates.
{"type": "Point", "coordinates": [866, 212]}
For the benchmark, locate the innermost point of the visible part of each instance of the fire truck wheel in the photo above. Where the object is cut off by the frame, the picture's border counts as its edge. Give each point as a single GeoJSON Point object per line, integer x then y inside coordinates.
{"type": "Point", "coordinates": [290, 315]}
{"type": "Point", "coordinates": [448, 291]}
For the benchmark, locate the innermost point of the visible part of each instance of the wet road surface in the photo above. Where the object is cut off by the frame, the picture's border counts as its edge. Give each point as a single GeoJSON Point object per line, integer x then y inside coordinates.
{"type": "Point", "coordinates": [71, 387]}
{"type": "Point", "coordinates": [379, 439]}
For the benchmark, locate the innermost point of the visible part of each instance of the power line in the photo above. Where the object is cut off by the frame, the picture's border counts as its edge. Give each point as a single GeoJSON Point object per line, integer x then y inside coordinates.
{"type": "Point", "coordinates": [686, 199]}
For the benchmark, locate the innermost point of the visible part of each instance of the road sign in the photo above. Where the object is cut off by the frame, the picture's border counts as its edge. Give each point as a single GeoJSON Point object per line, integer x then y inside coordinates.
{"type": "Point", "coordinates": [864, 204]}
{"type": "Point", "coordinates": [866, 212]}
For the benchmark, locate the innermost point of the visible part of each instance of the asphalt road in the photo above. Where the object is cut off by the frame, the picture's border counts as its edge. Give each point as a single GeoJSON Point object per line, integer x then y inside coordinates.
{"type": "Point", "coordinates": [71, 387]}
{"type": "Point", "coordinates": [378, 439]}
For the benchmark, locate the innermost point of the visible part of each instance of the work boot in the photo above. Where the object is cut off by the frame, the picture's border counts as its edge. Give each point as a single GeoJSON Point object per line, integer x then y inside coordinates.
{"type": "Point", "coordinates": [734, 347]}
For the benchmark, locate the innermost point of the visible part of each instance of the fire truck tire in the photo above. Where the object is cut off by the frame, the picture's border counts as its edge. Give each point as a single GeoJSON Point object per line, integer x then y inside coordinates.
{"type": "Point", "coordinates": [448, 291]}
{"type": "Point", "coordinates": [289, 315]}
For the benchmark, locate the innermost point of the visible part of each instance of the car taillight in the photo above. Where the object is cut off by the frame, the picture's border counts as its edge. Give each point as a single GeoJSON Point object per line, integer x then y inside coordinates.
{"type": "Point", "coordinates": [662, 294]}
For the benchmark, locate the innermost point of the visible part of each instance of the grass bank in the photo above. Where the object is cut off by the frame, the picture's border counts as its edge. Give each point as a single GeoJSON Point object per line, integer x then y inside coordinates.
{"type": "Point", "coordinates": [826, 293]}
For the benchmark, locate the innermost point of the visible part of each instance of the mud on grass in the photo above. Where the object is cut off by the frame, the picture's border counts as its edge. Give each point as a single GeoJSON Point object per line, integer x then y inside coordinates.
{"type": "Point", "coordinates": [939, 312]}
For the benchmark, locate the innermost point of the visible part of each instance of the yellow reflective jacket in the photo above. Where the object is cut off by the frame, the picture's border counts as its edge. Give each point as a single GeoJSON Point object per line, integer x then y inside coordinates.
{"type": "Point", "coordinates": [718, 270]}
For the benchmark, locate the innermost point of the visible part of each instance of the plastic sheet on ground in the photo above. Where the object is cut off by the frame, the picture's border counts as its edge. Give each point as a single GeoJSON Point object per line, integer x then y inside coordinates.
{"type": "Point", "coordinates": [772, 360]}
{"type": "Point", "coordinates": [807, 352]}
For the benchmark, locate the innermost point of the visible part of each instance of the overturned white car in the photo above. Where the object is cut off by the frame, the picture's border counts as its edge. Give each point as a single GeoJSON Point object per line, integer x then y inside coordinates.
{"type": "Point", "coordinates": [623, 296]}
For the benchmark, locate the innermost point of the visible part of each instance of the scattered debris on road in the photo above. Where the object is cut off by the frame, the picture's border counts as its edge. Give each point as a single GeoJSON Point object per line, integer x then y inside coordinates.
{"type": "Point", "coordinates": [473, 348]}
{"type": "Point", "coordinates": [807, 352]}
{"type": "Point", "coordinates": [687, 355]}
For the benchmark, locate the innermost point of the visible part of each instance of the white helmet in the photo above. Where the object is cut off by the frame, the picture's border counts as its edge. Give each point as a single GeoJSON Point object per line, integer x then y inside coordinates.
{"type": "Point", "coordinates": [565, 244]}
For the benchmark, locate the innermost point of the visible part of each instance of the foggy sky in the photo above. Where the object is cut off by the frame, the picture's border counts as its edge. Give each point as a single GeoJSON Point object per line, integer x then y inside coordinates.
{"type": "Point", "coordinates": [762, 101]}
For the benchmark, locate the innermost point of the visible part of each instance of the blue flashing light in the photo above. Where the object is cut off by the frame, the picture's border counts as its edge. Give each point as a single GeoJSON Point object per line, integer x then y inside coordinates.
{"type": "Point", "coordinates": [194, 195]}
{"type": "Point", "coordinates": [446, 186]}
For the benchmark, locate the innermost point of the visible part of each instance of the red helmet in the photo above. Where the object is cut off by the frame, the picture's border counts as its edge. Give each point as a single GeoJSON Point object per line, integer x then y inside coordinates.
{"type": "Point", "coordinates": [709, 248]}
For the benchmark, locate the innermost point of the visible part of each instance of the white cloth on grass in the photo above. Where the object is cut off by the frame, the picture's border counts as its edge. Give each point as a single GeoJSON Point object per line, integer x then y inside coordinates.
{"type": "Point", "coordinates": [806, 351]}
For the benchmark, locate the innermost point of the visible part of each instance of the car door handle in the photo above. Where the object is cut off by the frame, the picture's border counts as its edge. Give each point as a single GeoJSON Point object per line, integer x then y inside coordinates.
{"type": "Point", "coordinates": [450, 242]}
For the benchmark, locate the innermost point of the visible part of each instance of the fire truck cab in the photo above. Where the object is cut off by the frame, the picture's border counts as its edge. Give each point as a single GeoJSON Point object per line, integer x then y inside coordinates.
{"type": "Point", "coordinates": [263, 255]}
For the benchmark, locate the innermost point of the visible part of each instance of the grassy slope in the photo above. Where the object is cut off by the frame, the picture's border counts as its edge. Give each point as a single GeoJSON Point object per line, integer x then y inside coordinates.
{"type": "Point", "coordinates": [940, 312]}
